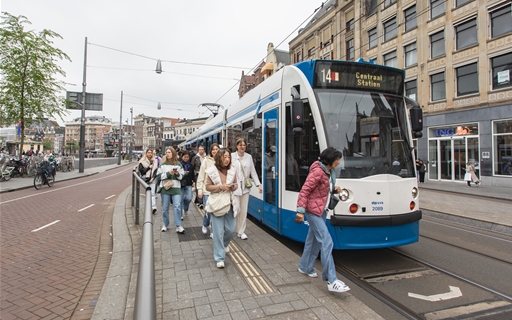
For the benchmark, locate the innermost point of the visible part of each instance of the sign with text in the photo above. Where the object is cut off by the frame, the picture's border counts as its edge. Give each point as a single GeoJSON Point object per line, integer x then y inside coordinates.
{"type": "Point", "coordinates": [93, 101]}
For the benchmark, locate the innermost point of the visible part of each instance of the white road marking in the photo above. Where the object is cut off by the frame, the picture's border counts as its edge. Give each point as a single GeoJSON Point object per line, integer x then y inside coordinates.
{"type": "Point", "coordinates": [49, 224]}
{"type": "Point", "coordinates": [86, 207]}
{"type": "Point", "coordinates": [58, 189]}
{"type": "Point", "coordinates": [110, 197]}
{"type": "Point", "coordinates": [454, 293]}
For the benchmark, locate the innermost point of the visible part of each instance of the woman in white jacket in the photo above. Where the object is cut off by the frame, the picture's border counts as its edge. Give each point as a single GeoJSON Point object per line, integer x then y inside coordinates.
{"type": "Point", "coordinates": [202, 193]}
{"type": "Point", "coordinates": [245, 169]}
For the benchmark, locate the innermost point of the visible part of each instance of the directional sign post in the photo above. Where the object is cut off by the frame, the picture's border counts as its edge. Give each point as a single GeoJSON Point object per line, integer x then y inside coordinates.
{"type": "Point", "coordinates": [93, 101]}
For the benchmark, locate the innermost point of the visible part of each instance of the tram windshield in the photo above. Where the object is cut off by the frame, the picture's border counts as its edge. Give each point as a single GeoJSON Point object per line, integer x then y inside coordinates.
{"type": "Point", "coordinates": [371, 131]}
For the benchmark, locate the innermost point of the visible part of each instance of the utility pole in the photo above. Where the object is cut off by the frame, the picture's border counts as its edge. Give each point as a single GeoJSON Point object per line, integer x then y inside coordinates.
{"type": "Point", "coordinates": [120, 140]}
{"type": "Point", "coordinates": [82, 120]}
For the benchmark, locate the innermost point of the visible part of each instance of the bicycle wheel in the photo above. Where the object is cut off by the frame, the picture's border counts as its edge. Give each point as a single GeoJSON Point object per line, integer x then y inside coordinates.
{"type": "Point", "coordinates": [38, 181]}
{"type": "Point", "coordinates": [32, 171]}
{"type": "Point", "coordinates": [50, 179]}
{"type": "Point", "coordinates": [7, 177]}
{"type": "Point", "coordinates": [64, 167]}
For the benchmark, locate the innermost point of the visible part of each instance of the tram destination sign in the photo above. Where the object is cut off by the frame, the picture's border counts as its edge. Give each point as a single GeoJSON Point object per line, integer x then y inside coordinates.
{"type": "Point", "coordinates": [93, 101]}
{"type": "Point", "coordinates": [358, 76]}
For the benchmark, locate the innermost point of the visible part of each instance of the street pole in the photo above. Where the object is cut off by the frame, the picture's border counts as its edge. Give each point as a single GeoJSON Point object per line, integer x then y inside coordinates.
{"type": "Point", "coordinates": [82, 120]}
{"type": "Point", "coordinates": [120, 140]}
{"type": "Point", "coordinates": [131, 134]}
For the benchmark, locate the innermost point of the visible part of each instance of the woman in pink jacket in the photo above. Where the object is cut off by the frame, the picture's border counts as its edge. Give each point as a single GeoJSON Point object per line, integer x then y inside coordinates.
{"type": "Point", "coordinates": [313, 201]}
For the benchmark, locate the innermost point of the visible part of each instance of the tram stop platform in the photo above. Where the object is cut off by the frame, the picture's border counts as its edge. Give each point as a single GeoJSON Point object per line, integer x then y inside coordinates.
{"type": "Point", "coordinates": [260, 279]}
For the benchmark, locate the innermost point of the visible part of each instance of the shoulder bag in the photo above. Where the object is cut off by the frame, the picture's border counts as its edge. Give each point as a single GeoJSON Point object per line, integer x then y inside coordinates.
{"type": "Point", "coordinates": [247, 181]}
{"type": "Point", "coordinates": [218, 203]}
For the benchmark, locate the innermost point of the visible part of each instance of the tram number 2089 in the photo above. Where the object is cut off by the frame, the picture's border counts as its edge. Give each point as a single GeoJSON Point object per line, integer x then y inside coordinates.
{"type": "Point", "coordinates": [378, 208]}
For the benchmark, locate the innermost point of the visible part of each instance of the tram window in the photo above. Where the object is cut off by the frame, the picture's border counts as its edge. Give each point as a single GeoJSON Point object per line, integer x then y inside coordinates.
{"type": "Point", "coordinates": [301, 149]}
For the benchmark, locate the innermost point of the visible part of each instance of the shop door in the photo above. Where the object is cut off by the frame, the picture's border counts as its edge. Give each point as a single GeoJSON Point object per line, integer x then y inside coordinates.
{"type": "Point", "coordinates": [271, 175]}
{"type": "Point", "coordinates": [445, 165]}
{"type": "Point", "coordinates": [452, 159]}
{"type": "Point", "coordinates": [459, 159]}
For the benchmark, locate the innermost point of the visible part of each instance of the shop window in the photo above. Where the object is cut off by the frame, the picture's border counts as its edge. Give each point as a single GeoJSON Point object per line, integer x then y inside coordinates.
{"type": "Point", "coordinates": [501, 71]}
{"type": "Point", "coordinates": [390, 59]}
{"type": "Point", "coordinates": [502, 134]}
{"type": "Point", "coordinates": [350, 49]}
{"type": "Point", "coordinates": [373, 39]}
{"type": "Point", "coordinates": [411, 55]}
{"type": "Point", "coordinates": [501, 21]}
{"type": "Point", "coordinates": [467, 79]}
{"type": "Point", "coordinates": [411, 89]}
{"type": "Point", "coordinates": [410, 18]}
{"type": "Point", "coordinates": [438, 87]}
{"type": "Point", "coordinates": [466, 34]}
{"type": "Point", "coordinates": [437, 45]}
{"type": "Point", "coordinates": [436, 8]}
{"type": "Point", "coordinates": [390, 29]}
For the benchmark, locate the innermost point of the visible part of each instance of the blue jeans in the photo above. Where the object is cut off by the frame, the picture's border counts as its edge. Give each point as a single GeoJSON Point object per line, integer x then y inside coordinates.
{"type": "Point", "coordinates": [206, 216]}
{"type": "Point", "coordinates": [186, 197]}
{"type": "Point", "coordinates": [318, 241]}
{"type": "Point", "coordinates": [223, 229]}
{"type": "Point", "coordinates": [176, 204]}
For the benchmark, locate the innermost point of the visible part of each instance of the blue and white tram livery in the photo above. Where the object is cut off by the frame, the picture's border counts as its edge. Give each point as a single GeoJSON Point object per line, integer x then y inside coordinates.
{"type": "Point", "coordinates": [358, 108]}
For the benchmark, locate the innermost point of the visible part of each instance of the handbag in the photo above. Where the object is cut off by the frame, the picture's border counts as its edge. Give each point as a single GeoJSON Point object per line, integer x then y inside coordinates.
{"type": "Point", "coordinates": [247, 181]}
{"type": "Point", "coordinates": [467, 176]}
{"type": "Point", "coordinates": [219, 203]}
{"type": "Point", "coordinates": [333, 201]}
{"type": "Point", "coordinates": [168, 184]}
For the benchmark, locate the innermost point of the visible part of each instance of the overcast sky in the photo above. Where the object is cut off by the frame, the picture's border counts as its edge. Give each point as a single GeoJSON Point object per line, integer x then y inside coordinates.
{"type": "Point", "coordinates": [214, 32]}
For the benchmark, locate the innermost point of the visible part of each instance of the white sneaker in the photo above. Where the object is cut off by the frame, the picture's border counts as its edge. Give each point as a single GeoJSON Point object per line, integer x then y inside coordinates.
{"type": "Point", "coordinates": [337, 286]}
{"type": "Point", "coordinates": [226, 249]}
{"type": "Point", "coordinates": [238, 235]}
{"type": "Point", "coordinates": [182, 217]}
{"type": "Point", "coordinates": [211, 235]}
{"type": "Point", "coordinates": [205, 230]}
{"type": "Point", "coordinates": [243, 236]}
{"type": "Point", "coordinates": [180, 229]}
{"type": "Point", "coordinates": [220, 264]}
{"type": "Point", "coordinates": [312, 275]}
{"type": "Point", "coordinates": [164, 228]}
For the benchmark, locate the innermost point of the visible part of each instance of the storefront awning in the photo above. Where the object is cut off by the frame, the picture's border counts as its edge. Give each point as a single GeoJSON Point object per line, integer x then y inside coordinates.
{"type": "Point", "coordinates": [269, 67]}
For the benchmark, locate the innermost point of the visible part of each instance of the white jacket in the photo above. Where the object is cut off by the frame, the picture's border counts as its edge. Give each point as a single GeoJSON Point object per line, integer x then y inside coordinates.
{"type": "Point", "coordinates": [249, 169]}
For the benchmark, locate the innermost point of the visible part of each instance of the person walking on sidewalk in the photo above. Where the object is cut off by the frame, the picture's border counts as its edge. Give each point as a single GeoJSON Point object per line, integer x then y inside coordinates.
{"type": "Point", "coordinates": [202, 193]}
{"type": "Point", "coordinates": [171, 169]}
{"type": "Point", "coordinates": [470, 175]}
{"type": "Point", "coordinates": [223, 206]}
{"type": "Point", "coordinates": [196, 161]}
{"type": "Point", "coordinates": [187, 182]}
{"type": "Point", "coordinates": [313, 201]}
{"type": "Point", "coordinates": [147, 169]}
{"type": "Point", "coordinates": [422, 171]}
{"type": "Point", "coordinates": [244, 165]}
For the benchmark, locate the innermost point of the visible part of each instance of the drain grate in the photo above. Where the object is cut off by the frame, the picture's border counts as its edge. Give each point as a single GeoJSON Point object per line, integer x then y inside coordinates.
{"type": "Point", "coordinates": [193, 233]}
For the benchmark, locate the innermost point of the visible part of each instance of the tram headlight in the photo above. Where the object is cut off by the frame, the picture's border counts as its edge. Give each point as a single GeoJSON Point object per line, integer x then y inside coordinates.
{"type": "Point", "coordinates": [415, 192]}
{"type": "Point", "coordinates": [343, 195]}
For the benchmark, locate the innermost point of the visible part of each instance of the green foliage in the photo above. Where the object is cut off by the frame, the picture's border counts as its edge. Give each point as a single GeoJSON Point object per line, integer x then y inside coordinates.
{"type": "Point", "coordinates": [28, 74]}
{"type": "Point", "coordinates": [48, 144]}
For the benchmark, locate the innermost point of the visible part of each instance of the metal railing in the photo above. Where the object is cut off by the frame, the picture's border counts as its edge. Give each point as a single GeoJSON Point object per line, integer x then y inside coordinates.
{"type": "Point", "coordinates": [145, 297]}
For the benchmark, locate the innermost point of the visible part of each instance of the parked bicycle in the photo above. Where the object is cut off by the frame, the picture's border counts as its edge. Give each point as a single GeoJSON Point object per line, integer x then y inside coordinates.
{"type": "Point", "coordinates": [44, 175]}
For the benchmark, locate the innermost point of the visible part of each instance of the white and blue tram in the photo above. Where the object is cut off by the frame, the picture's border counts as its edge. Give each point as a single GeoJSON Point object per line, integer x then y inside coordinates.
{"type": "Point", "coordinates": [358, 108]}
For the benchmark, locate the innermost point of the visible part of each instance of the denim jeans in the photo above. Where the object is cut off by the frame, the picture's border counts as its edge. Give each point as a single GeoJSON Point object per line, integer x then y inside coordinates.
{"type": "Point", "coordinates": [206, 216]}
{"type": "Point", "coordinates": [176, 204]}
{"type": "Point", "coordinates": [223, 229]}
{"type": "Point", "coordinates": [186, 197]}
{"type": "Point", "coordinates": [153, 195]}
{"type": "Point", "coordinates": [318, 241]}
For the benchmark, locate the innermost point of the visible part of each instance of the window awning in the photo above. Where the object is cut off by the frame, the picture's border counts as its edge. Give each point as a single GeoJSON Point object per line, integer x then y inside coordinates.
{"type": "Point", "coordinates": [269, 67]}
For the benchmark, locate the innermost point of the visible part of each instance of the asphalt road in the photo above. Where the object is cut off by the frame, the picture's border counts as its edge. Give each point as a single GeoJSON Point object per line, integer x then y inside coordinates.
{"type": "Point", "coordinates": [56, 245]}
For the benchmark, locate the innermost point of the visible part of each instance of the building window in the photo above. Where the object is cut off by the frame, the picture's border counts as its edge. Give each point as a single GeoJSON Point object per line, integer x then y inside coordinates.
{"type": "Point", "coordinates": [502, 134]}
{"type": "Point", "coordinates": [387, 3]}
{"type": "Point", "coordinates": [373, 39]}
{"type": "Point", "coordinates": [410, 18]}
{"type": "Point", "coordinates": [501, 21]}
{"type": "Point", "coordinates": [350, 25]}
{"type": "Point", "coordinates": [390, 59]}
{"type": "Point", "coordinates": [459, 3]}
{"type": "Point", "coordinates": [311, 47]}
{"type": "Point", "coordinates": [466, 34]}
{"type": "Point", "coordinates": [437, 44]}
{"type": "Point", "coordinates": [438, 86]}
{"type": "Point", "coordinates": [467, 79]}
{"type": "Point", "coordinates": [411, 90]}
{"type": "Point", "coordinates": [299, 56]}
{"type": "Point", "coordinates": [371, 7]}
{"type": "Point", "coordinates": [436, 8]}
{"type": "Point", "coordinates": [390, 31]}
{"type": "Point", "coordinates": [411, 55]}
{"type": "Point", "coordinates": [350, 49]}
{"type": "Point", "coordinates": [501, 71]}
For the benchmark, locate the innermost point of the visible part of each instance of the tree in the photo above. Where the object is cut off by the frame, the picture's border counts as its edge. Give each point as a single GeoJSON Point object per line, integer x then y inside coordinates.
{"type": "Point", "coordinates": [48, 144]}
{"type": "Point", "coordinates": [28, 70]}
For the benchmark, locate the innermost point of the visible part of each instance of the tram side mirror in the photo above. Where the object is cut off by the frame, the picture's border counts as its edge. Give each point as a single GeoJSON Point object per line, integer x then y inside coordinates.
{"type": "Point", "coordinates": [297, 115]}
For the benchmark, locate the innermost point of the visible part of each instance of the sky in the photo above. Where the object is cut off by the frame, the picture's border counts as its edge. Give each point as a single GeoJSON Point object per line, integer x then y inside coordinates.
{"type": "Point", "coordinates": [126, 38]}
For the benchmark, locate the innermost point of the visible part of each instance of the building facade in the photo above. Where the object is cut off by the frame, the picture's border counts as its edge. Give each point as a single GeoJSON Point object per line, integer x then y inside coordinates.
{"type": "Point", "coordinates": [95, 129]}
{"type": "Point", "coordinates": [457, 55]}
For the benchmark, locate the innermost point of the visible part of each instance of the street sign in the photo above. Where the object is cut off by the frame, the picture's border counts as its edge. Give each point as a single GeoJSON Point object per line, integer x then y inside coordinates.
{"type": "Point", "coordinates": [93, 101]}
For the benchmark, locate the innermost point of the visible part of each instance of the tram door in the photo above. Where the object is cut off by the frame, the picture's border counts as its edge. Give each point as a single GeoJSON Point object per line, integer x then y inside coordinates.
{"type": "Point", "coordinates": [271, 174]}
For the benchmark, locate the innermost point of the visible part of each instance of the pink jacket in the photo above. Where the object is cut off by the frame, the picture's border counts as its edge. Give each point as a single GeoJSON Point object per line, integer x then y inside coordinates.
{"type": "Point", "coordinates": [313, 195]}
